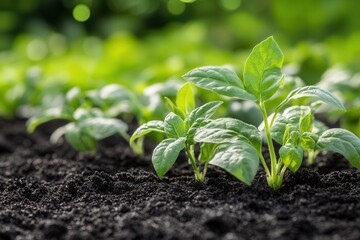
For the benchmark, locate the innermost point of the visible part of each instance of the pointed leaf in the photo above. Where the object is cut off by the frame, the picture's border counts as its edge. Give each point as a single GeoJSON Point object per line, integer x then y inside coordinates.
{"type": "Point", "coordinates": [174, 126]}
{"type": "Point", "coordinates": [229, 130]}
{"type": "Point", "coordinates": [291, 156]}
{"type": "Point", "coordinates": [174, 108]}
{"type": "Point", "coordinates": [156, 126]}
{"type": "Point", "coordinates": [78, 140]}
{"type": "Point", "coordinates": [207, 152]}
{"type": "Point", "coordinates": [199, 117]}
{"type": "Point", "coordinates": [306, 123]}
{"type": "Point", "coordinates": [203, 112]}
{"type": "Point", "coordinates": [240, 159]}
{"type": "Point", "coordinates": [341, 141]}
{"type": "Point", "coordinates": [73, 97]}
{"type": "Point", "coordinates": [220, 80]}
{"type": "Point", "coordinates": [315, 92]}
{"type": "Point", "coordinates": [165, 155]}
{"type": "Point", "coordinates": [49, 115]}
{"type": "Point", "coordinates": [100, 128]}
{"type": "Point", "coordinates": [308, 140]}
{"type": "Point", "coordinates": [262, 72]}
{"type": "Point", "coordinates": [291, 117]}
{"type": "Point", "coordinates": [185, 99]}
{"type": "Point", "coordinates": [278, 128]}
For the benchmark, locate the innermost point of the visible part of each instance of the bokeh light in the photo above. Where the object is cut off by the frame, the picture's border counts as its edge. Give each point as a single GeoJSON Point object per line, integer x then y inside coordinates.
{"type": "Point", "coordinates": [231, 4]}
{"type": "Point", "coordinates": [81, 13]}
{"type": "Point", "coordinates": [176, 7]}
{"type": "Point", "coordinates": [188, 1]}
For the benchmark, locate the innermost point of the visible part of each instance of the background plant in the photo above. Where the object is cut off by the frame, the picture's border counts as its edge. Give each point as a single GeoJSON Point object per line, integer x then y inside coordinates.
{"type": "Point", "coordinates": [87, 124]}
{"type": "Point", "coordinates": [345, 84]}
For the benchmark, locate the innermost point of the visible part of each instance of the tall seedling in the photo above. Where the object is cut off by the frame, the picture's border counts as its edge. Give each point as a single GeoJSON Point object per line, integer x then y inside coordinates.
{"type": "Point", "coordinates": [293, 127]}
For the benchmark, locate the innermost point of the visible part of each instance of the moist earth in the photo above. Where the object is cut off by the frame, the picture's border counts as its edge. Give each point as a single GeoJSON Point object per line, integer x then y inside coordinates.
{"type": "Point", "coordinates": [52, 192]}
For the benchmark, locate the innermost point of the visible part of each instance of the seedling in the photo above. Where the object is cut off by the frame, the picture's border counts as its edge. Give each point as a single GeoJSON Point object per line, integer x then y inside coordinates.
{"type": "Point", "coordinates": [179, 127]}
{"type": "Point", "coordinates": [293, 127]}
{"type": "Point", "coordinates": [86, 126]}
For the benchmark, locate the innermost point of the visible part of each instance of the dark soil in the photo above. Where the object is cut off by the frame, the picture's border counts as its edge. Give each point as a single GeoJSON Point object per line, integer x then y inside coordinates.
{"type": "Point", "coordinates": [51, 192]}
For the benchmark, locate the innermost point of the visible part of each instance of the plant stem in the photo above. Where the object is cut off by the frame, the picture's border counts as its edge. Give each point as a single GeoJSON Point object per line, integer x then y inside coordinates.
{"type": "Point", "coordinates": [273, 176]}
{"type": "Point", "coordinates": [311, 155]}
{"type": "Point", "coordinates": [191, 156]}
{"type": "Point", "coordinates": [263, 162]}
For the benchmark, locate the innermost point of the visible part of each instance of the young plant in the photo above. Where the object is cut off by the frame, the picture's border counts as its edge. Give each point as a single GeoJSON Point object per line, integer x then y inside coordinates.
{"type": "Point", "coordinates": [292, 128]}
{"type": "Point", "coordinates": [180, 127]}
{"type": "Point", "coordinates": [86, 126]}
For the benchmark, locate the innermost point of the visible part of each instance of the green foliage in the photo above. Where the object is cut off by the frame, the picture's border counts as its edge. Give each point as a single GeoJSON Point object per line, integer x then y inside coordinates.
{"type": "Point", "coordinates": [341, 141]}
{"type": "Point", "coordinates": [221, 80]}
{"type": "Point", "coordinates": [238, 158]}
{"type": "Point", "coordinates": [179, 127]}
{"type": "Point", "coordinates": [166, 153]}
{"type": "Point", "coordinates": [188, 126]}
{"type": "Point", "coordinates": [186, 130]}
{"type": "Point", "coordinates": [346, 85]}
{"type": "Point", "coordinates": [87, 123]}
{"type": "Point", "coordinates": [293, 128]}
{"type": "Point", "coordinates": [262, 72]}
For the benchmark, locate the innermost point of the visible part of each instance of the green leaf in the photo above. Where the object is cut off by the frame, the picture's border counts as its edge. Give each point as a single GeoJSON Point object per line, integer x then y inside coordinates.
{"type": "Point", "coordinates": [308, 140]}
{"type": "Point", "coordinates": [174, 126]}
{"type": "Point", "coordinates": [49, 115]}
{"type": "Point", "coordinates": [229, 130]}
{"type": "Point", "coordinates": [262, 72]}
{"type": "Point", "coordinates": [73, 97]}
{"type": "Point", "coordinates": [100, 128]}
{"type": "Point", "coordinates": [165, 155]}
{"type": "Point", "coordinates": [291, 156]}
{"type": "Point", "coordinates": [78, 140]}
{"type": "Point", "coordinates": [81, 114]}
{"type": "Point", "coordinates": [185, 99]}
{"type": "Point", "coordinates": [291, 117]}
{"type": "Point", "coordinates": [220, 80]}
{"type": "Point", "coordinates": [240, 159]}
{"type": "Point", "coordinates": [294, 137]}
{"type": "Point", "coordinates": [199, 117]}
{"type": "Point", "coordinates": [207, 151]}
{"type": "Point", "coordinates": [174, 108]}
{"type": "Point", "coordinates": [341, 141]}
{"type": "Point", "coordinates": [204, 112]}
{"type": "Point", "coordinates": [278, 128]}
{"type": "Point", "coordinates": [152, 126]}
{"type": "Point", "coordinates": [306, 123]}
{"type": "Point", "coordinates": [115, 92]}
{"type": "Point", "coordinates": [315, 92]}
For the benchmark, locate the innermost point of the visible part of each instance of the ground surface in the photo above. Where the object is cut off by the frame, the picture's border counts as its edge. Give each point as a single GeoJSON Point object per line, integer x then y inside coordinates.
{"type": "Point", "coordinates": [51, 192]}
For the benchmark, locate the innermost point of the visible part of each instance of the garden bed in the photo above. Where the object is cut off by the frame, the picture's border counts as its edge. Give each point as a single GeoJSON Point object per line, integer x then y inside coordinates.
{"type": "Point", "coordinates": [53, 192]}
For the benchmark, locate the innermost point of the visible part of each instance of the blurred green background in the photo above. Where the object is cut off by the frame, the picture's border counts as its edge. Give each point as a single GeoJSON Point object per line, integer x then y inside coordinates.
{"type": "Point", "coordinates": [49, 46]}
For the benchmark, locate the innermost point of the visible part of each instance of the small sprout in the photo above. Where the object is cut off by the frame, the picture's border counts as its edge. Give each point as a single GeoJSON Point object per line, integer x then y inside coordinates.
{"type": "Point", "coordinates": [294, 128]}
{"type": "Point", "coordinates": [180, 127]}
{"type": "Point", "coordinates": [86, 126]}
{"type": "Point", "coordinates": [187, 126]}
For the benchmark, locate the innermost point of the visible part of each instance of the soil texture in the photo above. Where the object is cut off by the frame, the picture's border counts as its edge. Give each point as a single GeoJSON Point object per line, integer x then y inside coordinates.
{"type": "Point", "coordinates": [52, 192]}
